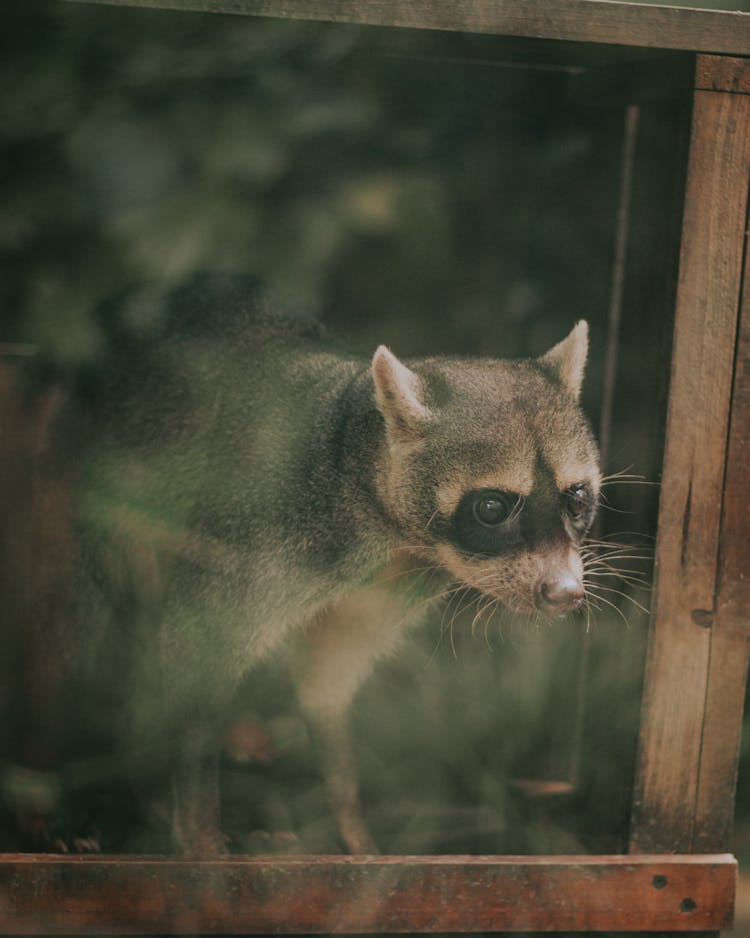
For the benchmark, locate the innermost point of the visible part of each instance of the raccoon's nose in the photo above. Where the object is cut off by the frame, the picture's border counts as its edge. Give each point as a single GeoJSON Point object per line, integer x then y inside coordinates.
{"type": "Point", "coordinates": [557, 595]}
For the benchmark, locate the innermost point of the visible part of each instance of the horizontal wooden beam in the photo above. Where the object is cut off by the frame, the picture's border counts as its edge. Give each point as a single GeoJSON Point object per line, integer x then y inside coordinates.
{"type": "Point", "coordinates": [606, 21]}
{"type": "Point", "coordinates": [287, 895]}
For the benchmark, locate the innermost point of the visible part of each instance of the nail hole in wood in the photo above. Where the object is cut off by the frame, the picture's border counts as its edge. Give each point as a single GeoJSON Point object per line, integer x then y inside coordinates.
{"type": "Point", "coordinates": [703, 617]}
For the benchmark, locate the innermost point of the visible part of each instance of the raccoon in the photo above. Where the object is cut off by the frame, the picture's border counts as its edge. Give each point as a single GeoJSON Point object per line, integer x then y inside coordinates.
{"type": "Point", "coordinates": [257, 490]}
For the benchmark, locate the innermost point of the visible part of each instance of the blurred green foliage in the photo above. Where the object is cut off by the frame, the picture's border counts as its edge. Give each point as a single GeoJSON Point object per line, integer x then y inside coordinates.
{"type": "Point", "coordinates": [364, 176]}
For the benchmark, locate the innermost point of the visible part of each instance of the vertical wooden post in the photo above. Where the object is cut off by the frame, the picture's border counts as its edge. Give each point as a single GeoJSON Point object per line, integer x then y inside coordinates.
{"type": "Point", "coordinates": [731, 627]}
{"type": "Point", "coordinates": [697, 662]}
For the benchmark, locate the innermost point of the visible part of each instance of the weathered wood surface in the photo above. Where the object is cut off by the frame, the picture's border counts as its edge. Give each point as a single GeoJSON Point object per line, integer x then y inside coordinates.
{"type": "Point", "coordinates": [315, 895]}
{"type": "Point", "coordinates": [695, 675]}
{"type": "Point", "coordinates": [722, 74]}
{"type": "Point", "coordinates": [734, 597]}
{"type": "Point", "coordinates": [629, 24]}
{"type": "Point", "coordinates": [731, 628]}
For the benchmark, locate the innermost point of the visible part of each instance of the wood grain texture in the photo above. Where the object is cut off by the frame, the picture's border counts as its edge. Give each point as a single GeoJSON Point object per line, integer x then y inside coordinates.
{"type": "Point", "coordinates": [605, 21]}
{"type": "Point", "coordinates": [734, 596]}
{"type": "Point", "coordinates": [684, 671]}
{"type": "Point", "coordinates": [729, 640]}
{"type": "Point", "coordinates": [722, 74]}
{"type": "Point", "coordinates": [717, 779]}
{"type": "Point", "coordinates": [265, 895]}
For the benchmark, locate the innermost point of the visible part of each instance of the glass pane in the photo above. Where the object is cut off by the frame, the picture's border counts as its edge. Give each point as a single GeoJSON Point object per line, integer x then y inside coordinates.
{"type": "Point", "coordinates": [441, 194]}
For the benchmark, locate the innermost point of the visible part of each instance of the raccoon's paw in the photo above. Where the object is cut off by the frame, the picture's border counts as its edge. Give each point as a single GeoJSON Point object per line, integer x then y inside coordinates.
{"type": "Point", "coordinates": [75, 845]}
{"type": "Point", "coordinates": [41, 834]}
{"type": "Point", "coordinates": [355, 834]}
{"type": "Point", "coordinates": [88, 844]}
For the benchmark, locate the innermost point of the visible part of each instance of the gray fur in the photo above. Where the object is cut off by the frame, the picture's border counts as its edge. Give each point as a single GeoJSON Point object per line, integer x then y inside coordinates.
{"type": "Point", "coordinates": [252, 492]}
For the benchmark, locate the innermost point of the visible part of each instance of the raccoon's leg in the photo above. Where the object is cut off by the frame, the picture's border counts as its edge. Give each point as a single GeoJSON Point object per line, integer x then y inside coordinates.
{"type": "Point", "coordinates": [325, 692]}
{"type": "Point", "coordinates": [191, 676]}
{"type": "Point", "coordinates": [196, 807]}
{"type": "Point", "coordinates": [197, 727]}
{"type": "Point", "coordinates": [340, 773]}
{"type": "Point", "coordinates": [336, 656]}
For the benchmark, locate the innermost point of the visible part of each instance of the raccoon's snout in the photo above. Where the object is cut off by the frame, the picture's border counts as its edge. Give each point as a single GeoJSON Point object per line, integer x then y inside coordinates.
{"type": "Point", "coordinates": [559, 593]}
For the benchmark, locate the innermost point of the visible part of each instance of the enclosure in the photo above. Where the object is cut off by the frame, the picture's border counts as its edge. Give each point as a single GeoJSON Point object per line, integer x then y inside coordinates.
{"type": "Point", "coordinates": [442, 178]}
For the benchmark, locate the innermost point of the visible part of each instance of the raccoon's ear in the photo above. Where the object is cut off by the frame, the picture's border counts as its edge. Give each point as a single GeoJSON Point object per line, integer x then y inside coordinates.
{"type": "Point", "coordinates": [398, 393]}
{"type": "Point", "coordinates": [567, 359]}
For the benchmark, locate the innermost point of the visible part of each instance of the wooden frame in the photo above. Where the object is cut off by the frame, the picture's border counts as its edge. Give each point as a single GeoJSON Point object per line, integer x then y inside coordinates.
{"type": "Point", "coordinates": [697, 662]}
{"type": "Point", "coordinates": [630, 24]}
{"type": "Point", "coordinates": [364, 895]}
{"type": "Point", "coordinates": [698, 655]}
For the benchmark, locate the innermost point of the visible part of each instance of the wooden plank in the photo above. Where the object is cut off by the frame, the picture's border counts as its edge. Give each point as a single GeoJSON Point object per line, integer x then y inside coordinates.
{"type": "Point", "coordinates": [679, 675]}
{"type": "Point", "coordinates": [629, 24]}
{"type": "Point", "coordinates": [734, 598]}
{"type": "Point", "coordinates": [731, 626]}
{"type": "Point", "coordinates": [724, 74]}
{"type": "Point", "coordinates": [717, 781]}
{"type": "Point", "coordinates": [288, 895]}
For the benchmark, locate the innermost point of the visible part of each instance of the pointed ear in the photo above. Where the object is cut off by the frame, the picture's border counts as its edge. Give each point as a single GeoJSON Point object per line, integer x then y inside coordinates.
{"type": "Point", "coordinates": [398, 393]}
{"type": "Point", "coordinates": [567, 359]}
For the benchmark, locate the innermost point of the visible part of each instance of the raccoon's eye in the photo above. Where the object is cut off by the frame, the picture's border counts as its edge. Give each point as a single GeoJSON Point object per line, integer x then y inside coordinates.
{"type": "Point", "coordinates": [578, 501]}
{"type": "Point", "coordinates": [487, 523]}
{"type": "Point", "coordinates": [493, 508]}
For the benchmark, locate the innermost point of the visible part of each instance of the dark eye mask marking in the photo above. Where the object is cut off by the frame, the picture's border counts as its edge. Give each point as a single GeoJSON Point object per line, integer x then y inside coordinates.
{"type": "Point", "coordinates": [486, 523]}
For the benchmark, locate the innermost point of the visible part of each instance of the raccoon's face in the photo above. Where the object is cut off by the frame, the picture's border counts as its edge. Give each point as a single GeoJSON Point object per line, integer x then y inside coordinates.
{"type": "Point", "coordinates": [491, 471]}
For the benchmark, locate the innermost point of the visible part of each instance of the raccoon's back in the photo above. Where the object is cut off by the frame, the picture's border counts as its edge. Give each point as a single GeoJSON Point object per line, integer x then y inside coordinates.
{"type": "Point", "coordinates": [232, 436]}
